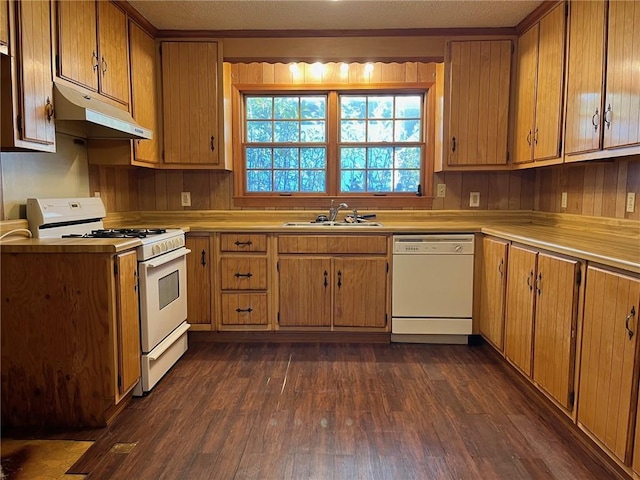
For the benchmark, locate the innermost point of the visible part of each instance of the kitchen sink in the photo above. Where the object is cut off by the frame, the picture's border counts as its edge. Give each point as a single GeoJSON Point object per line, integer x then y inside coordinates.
{"type": "Point", "coordinates": [331, 224]}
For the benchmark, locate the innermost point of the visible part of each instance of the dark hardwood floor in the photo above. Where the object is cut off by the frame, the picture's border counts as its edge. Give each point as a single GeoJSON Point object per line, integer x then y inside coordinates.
{"type": "Point", "coordinates": [334, 411]}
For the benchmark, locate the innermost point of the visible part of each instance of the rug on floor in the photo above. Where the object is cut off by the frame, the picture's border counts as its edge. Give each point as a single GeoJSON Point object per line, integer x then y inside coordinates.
{"type": "Point", "coordinates": [40, 459]}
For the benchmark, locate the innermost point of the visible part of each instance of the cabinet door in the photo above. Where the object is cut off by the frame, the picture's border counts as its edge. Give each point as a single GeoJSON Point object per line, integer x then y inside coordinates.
{"type": "Point", "coordinates": [4, 22]}
{"type": "Point", "coordinates": [494, 255]}
{"type": "Point", "coordinates": [549, 83]}
{"type": "Point", "coordinates": [144, 92]}
{"type": "Point", "coordinates": [555, 320]}
{"type": "Point", "coordinates": [34, 66]}
{"type": "Point", "coordinates": [622, 102]}
{"type": "Point", "coordinates": [305, 291]}
{"type": "Point", "coordinates": [190, 102]}
{"type": "Point", "coordinates": [526, 95]}
{"type": "Point", "coordinates": [585, 76]}
{"type": "Point", "coordinates": [199, 280]}
{"type": "Point", "coordinates": [521, 275]}
{"type": "Point", "coordinates": [77, 42]}
{"type": "Point", "coordinates": [608, 381]}
{"type": "Point", "coordinates": [128, 321]}
{"type": "Point", "coordinates": [480, 72]}
{"type": "Point", "coordinates": [113, 51]}
{"type": "Point", "coordinates": [360, 286]}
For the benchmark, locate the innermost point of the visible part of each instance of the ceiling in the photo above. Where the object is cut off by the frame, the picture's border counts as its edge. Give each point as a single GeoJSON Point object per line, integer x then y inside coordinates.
{"type": "Point", "coordinates": [216, 15]}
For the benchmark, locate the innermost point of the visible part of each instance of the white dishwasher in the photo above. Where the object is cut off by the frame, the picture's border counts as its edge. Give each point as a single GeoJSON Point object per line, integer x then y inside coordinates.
{"type": "Point", "coordinates": [432, 289]}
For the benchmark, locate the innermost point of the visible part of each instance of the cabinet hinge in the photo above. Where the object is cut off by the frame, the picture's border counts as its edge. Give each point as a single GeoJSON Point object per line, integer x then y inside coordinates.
{"type": "Point", "coordinates": [579, 277]}
{"type": "Point", "coordinates": [572, 397]}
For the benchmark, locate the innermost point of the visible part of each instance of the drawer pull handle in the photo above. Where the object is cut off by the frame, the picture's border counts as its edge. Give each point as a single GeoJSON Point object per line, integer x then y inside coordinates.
{"type": "Point", "coordinates": [246, 275]}
{"type": "Point", "coordinates": [326, 283]}
{"type": "Point", "coordinates": [538, 280]}
{"type": "Point", "coordinates": [595, 120]}
{"type": "Point", "coordinates": [501, 267]}
{"type": "Point", "coordinates": [238, 243]}
{"type": "Point", "coordinates": [626, 322]}
{"type": "Point", "coordinates": [530, 280]}
{"type": "Point", "coordinates": [607, 117]}
{"type": "Point", "coordinates": [244, 310]}
{"type": "Point", "coordinates": [453, 144]}
{"type": "Point", "coordinates": [529, 138]}
{"type": "Point", "coordinates": [203, 260]}
{"type": "Point", "coordinates": [339, 278]}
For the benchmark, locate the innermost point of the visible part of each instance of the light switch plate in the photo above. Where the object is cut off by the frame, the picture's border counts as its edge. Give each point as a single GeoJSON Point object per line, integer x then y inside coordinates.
{"type": "Point", "coordinates": [441, 190]}
{"type": "Point", "coordinates": [185, 199]}
{"type": "Point", "coordinates": [474, 199]}
{"type": "Point", "coordinates": [631, 202]}
{"type": "Point", "coordinates": [563, 201]}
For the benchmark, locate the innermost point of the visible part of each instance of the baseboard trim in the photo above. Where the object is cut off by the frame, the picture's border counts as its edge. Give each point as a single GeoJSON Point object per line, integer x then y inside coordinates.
{"type": "Point", "coordinates": [290, 337]}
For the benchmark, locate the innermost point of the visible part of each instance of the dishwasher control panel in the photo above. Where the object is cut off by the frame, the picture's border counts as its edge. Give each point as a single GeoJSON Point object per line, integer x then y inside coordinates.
{"type": "Point", "coordinates": [433, 244]}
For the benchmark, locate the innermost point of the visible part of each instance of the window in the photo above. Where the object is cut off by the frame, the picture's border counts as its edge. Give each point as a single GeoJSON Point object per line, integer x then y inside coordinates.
{"type": "Point", "coordinates": [319, 144]}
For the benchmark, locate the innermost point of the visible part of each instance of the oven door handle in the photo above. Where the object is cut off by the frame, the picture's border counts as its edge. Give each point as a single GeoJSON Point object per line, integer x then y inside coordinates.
{"type": "Point", "coordinates": [165, 344]}
{"type": "Point", "coordinates": [166, 258]}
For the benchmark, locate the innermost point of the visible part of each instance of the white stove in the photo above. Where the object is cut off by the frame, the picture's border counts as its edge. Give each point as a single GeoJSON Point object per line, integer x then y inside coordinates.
{"type": "Point", "coordinates": [162, 274]}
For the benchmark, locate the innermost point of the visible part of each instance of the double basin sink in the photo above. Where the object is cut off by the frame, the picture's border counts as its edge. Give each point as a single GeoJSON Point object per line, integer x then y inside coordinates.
{"type": "Point", "coordinates": [330, 224]}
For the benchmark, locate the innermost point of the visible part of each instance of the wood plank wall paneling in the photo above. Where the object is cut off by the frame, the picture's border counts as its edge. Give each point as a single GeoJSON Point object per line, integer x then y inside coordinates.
{"type": "Point", "coordinates": [593, 188]}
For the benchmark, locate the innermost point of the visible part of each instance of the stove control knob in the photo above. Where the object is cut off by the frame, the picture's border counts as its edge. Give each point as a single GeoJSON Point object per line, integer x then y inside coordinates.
{"type": "Point", "coordinates": [155, 249]}
{"type": "Point", "coordinates": [458, 248]}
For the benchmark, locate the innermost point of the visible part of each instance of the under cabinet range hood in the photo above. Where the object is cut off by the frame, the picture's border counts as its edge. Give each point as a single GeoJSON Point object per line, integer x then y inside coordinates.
{"type": "Point", "coordinates": [81, 114]}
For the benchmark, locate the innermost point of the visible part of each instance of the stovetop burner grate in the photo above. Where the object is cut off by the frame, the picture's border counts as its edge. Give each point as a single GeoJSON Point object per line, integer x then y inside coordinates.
{"type": "Point", "coordinates": [118, 233]}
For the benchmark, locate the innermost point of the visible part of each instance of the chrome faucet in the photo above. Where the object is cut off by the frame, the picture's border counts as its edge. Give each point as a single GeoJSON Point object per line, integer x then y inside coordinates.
{"type": "Point", "coordinates": [333, 211]}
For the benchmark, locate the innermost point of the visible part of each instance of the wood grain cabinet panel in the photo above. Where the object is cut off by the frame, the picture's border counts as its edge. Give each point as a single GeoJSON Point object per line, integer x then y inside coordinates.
{"type": "Point", "coordinates": [4, 24]}
{"type": "Point", "coordinates": [114, 52]}
{"type": "Point", "coordinates": [556, 314]}
{"type": "Point", "coordinates": [539, 89]}
{"type": "Point", "coordinates": [27, 86]}
{"type": "Point", "coordinates": [244, 309]}
{"type": "Point", "coordinates": [493, 285]}
{"type": "Point", "coordinates": [243, 273]}
{"type": "Point", "coordinates": [478, 106]}
{"type": "Point", "coordinates": [519, 309]}
{"type": "Point", "coordinates": [128, 321]}
{"type": "Point", "coordinates": [609, 360]}
{"type": "Point", "coordinates": [199, 287]}
{"type": "Point", "coordinates": [191, 93]}
{"type": "Point", "coordinates": [241, 242]}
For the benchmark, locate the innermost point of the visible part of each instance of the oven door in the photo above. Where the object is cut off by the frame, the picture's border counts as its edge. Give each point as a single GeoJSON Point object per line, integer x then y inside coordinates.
{"type": "Point", "coordinates": [163, 296]}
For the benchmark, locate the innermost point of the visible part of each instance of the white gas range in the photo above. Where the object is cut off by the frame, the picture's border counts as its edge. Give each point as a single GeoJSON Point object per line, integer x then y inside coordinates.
{"type": "Point", "coordinates": [162, 275]}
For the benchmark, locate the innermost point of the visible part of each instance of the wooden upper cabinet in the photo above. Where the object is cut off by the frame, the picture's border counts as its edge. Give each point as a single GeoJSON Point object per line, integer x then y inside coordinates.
{"type": "Point", "coordinates": [27, 86]}
{"type": "Point", "coordinates": [540, 84]}
{"type": "Point", "coordinates": [602, 106]}
{"type": "Point", "coordinates": [92, 47]}
{"type": "Point", "coordinates": [144, 92]}
{"type": "Point", "coordinates": [191, 73]}
{"type": "Point", "coordinates": [492, 294]}
{"type": "Point", "coordinates": [4, 24]}
{"type": "Point", "coordinates": [609, 360]}
{"type": "Point", "coordinates": [478, 106]}
{"type": "Point", "coordinates": [621, 122]}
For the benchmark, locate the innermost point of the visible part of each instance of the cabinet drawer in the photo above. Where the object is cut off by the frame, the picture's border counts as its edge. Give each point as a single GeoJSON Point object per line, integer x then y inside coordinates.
{"type": "Point", "coordinates": [243, 242]}
{"type": "Point", "coordinates": [243, 273]}
{"type": "Point", "coordinates": [369, 244]}
{"type": "Point", "coordinates": [244, 309]}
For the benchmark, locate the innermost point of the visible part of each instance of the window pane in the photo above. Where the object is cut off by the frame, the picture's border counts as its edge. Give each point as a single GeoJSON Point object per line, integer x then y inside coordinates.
{"type": "Point", "coordinates": [353, 157]}
{"type": "Point", "coordinates": [259, 181]}
{"type": "Point", "coordinates": [285, 158]}
{"type": "Point", "coordinates": [313, 107]}
{"type": "Point", "coordinates": [353, 107]}
{"type": "Point", "coordinates": [353, 130]}
{"type": "Point", "coordinates": [352, 181]}
{"type": "Point", "coordinates": [286, 107]}
{"type": "Point", "coordinates": [259, 131]}
{"type": "Point", "coordinates": [285, 132]}
{"type": "Point", "coordinates": [312, 181]}
{"type": "Point", "coordinates": [406, 180]}
{"type": "Point", "coordinates": [408, 106]}
{"type": "Point", "coordinates": [407, 131]}
{"type": "Point", "coordinates": [407, 157]}
{"type": "Point", "coordinates": [380, 131]}
{"type": "Point", "coordinates": [380, 158]}
{"type": "Point", "coordinates": [313, 158]}
{"type": "Point", "coordinates": [380, 107]}
{"type": "Point", "coordinates": [259, 107]}
{"type": "Point", "coordinates": [286, 181]}
{"type": "Point", "coordinates": [379, 181]}
{"type": "Point", "coordinates": [312, 131]}
{"type": "Point", "coordinates": [258, 157]}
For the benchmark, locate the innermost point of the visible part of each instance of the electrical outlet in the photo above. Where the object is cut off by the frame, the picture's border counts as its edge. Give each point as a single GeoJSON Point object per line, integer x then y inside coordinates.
{"type": "Point", "coordinates": [474, 199]}
{"type": "Point", "coordinates": [96, 194]}
{"type": "Point", "coordinates": [563, 200]}
{"type": "Point", "coordinates": [631, 202]}
{"type": "Point", "coordinates": [441, 190]}
{"type": "Point", "coordinates": [186, 199]}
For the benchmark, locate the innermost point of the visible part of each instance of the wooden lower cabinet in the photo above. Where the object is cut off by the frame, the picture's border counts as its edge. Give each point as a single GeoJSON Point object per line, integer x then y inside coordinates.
{"type": "Point", "coordinates": [555, 324]}
{"type": "Point", "coordinates": [493, 284]}
{"type": "Point", "coordinates": [328, 291]}
{"type": "Point", "coordinates": [70, 339]}
{"type": "Point", "coordinates": [244, 309]}
{"type": "Point", "coordinates": [199, 275]}
{"type": "Point", "coordinates": [609, 362]}
{"type": "Point", "coordinates": [519, 310]}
